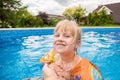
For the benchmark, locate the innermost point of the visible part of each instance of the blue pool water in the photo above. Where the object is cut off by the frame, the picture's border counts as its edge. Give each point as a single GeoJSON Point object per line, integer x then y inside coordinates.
{"type": "Point", "coordinates": [20, 51]}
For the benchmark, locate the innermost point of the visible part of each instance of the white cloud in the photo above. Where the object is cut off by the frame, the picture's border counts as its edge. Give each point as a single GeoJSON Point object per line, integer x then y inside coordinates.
{"type": "Point", "coordinates": [49, 6]}
{"type": "Point", "coordinates": [58, 6]}
{"type": "Point", "coordinates": [108, 1]}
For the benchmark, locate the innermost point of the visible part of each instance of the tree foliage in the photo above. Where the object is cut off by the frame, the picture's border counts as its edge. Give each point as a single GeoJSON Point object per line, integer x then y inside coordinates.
{"type": "Point", "coordinates": [53, 21]}
{"type": "Point", "coordinates": [25, 19]}
{"type": "Point", "coordinates": [99, 18]}
{"type": "Point", "coordinates": [76, 13]}
{"type": "Point", "coordinates": [44, 17]}
{"type": "Point", "coordinates": [8, 9]}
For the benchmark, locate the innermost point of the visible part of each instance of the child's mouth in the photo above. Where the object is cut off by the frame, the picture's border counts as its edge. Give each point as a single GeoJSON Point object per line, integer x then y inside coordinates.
{"type": "Point", "coordinates": [60, 44]}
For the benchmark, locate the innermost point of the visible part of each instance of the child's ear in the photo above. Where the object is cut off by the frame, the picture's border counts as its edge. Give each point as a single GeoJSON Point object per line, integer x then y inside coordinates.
{"type": "Point", "coordinates": [78, 43]}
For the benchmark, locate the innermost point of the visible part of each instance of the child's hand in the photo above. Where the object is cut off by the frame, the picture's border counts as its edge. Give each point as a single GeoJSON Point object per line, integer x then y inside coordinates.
{"type": "Point", "coordinates": [53, 72]}
{"type": "Point", "coordinates": [60, 72]}
{"type": "Point", "coordinates": [49, 74]}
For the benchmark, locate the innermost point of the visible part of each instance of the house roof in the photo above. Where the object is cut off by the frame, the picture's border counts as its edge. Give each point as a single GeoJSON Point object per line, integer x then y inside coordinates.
{"type": "Point", "coordinates": [115, 8]}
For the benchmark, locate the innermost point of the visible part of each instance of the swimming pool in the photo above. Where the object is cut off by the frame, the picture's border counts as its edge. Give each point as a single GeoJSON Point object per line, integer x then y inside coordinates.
{"type": "Point", "coordinates": [20, 51]}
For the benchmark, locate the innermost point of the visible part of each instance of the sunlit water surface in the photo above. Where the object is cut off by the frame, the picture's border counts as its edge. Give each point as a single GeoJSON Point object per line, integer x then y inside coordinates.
{"type": "Point", "coordinates": [19, 56]}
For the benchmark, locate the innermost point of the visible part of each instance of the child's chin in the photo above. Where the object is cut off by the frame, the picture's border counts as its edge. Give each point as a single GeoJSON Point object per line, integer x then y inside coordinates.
{"type": "Point", "coordinates": [60, 51]}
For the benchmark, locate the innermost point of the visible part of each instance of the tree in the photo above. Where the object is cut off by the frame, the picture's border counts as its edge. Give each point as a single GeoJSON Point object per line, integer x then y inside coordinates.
{"type": "Point", "coordinates": [76, 13]}
{"type": "Point", "coordinates": [53, 21]}
{"type": "Point", "coordinates": [44, 17]}
{"type": "Point", "coordinates": [8, 9]}
{"type": "Point", "coordinates": [25, 19]}
{"type": "Point", "coordinates": [105, 18]}
{"type": "Point", "coordinates": [99, 18]}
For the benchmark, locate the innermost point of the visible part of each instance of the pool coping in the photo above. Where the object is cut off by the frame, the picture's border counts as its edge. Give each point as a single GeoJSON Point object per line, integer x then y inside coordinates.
{"type": "Point", "coordinates": [48, 28]}
{"type": "Point", "coordinates": [23, 28]}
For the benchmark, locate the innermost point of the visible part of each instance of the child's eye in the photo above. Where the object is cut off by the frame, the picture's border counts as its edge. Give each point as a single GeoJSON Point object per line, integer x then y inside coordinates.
{"type": "Point", "coordinates": [56, 35]}
{"type": "Point", "coordinates": [67, 36]}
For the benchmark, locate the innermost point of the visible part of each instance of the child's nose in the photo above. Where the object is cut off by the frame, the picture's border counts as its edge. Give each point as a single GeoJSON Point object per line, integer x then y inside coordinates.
{"type": "Point", "coordinates": [60, 37]}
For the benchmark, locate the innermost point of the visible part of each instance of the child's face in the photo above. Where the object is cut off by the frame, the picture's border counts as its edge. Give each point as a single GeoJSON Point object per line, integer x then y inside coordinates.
{"type": "Point", "coordinates": [64, 42]}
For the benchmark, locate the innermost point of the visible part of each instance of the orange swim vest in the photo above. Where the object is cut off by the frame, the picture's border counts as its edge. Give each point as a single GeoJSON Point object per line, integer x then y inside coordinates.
{"type": "Point", "coordinates": [49, 57]}
{"type": "Point", "coordinates": [86, 71]}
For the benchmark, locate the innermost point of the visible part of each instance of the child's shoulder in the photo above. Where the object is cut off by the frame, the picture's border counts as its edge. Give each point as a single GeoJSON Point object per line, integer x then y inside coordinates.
{"type": "Point", "coordinates": [84, 62]}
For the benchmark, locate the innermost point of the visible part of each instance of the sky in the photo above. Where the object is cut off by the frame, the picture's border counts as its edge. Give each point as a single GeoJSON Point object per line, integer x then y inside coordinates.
{"type": "Point", "coordinates": [57, 7]}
